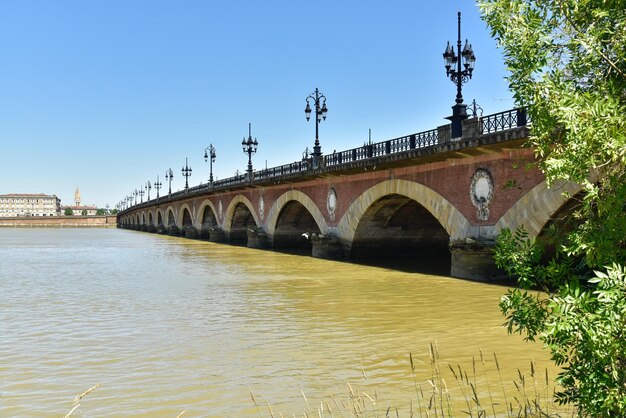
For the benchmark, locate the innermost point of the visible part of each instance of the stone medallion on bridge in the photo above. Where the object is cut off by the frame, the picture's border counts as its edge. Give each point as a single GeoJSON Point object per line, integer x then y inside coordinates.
{"type": "Point", "coordinates": [331, 203]}
{"type": "Point", "coordinates": [261, 208]}
{"type": "Point", "coordinates": [481, 192]}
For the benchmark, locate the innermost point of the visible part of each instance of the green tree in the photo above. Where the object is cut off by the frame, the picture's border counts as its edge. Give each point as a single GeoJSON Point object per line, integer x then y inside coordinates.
{"type": "Point", "coordinates": [113, 211]}
{"type": "Point", "coordinates": [68, 212]}
{"type": "Point", "coordinates": [84, 212]}
{"type": "Point", "coordinates": [101, 211]}
{"type": "Point", "coordinates": [567, 60]}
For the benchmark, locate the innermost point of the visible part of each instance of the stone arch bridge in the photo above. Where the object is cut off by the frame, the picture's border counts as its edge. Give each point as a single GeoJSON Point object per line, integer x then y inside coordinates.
{"type": "Point", "coordinates": [423, 197]}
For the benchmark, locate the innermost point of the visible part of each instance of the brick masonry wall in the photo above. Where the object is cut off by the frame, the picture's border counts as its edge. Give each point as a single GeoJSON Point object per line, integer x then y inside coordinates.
{"type": "Point", "coordinates": [512, 171]}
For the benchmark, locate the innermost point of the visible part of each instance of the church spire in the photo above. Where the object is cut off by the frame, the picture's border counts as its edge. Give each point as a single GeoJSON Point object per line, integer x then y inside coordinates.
{"type": "Point", "coordinates": [77, 197]}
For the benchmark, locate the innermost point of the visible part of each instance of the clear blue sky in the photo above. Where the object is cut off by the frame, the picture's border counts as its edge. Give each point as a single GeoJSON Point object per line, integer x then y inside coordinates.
{"type": "Point", "coordinates": [105, 95]}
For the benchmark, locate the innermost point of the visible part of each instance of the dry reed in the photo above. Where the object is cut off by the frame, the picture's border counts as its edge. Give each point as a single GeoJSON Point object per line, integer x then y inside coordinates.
{"type": "Point", "coordinates": [78, 398]}
{"type": "Point", "coordinates": [472, 395]}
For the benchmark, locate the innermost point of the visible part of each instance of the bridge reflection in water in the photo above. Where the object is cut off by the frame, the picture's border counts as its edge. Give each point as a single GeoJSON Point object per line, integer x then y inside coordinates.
{"type": "Point", "coordinates": [426, 197]}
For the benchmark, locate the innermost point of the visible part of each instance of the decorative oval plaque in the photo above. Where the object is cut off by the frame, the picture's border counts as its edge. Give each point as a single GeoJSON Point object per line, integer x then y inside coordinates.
{"type": "Point", "coordinates": [481, 192]}
{"type": "Point", "coordinates": [261, 207]}
{"type": "Point", "coordinates": [331, 202]}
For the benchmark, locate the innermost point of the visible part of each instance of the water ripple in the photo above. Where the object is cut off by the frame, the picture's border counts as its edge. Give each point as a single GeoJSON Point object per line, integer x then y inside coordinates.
{"type": "Point", "coordinates": [165, 324]}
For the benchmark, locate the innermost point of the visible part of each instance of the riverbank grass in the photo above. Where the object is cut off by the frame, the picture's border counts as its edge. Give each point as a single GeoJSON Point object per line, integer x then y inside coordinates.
{"type": "Point", "coordinates": [449, 391]}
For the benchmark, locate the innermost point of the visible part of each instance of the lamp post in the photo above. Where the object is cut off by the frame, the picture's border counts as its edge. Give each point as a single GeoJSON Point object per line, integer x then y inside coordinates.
{"type": "Point", "coordinates": [157, 186]}
{"type": "Point", "coordinates": [148, 187]}
{"type": "Point", "coordinates": [458, 77]}
{"type": "Point", "coordinates": [141, 193]}
{"type": "Point", "coordinates": [209, 155]}
{"type": "Point", "coordinates": [169, 175]}
{"type": "Point", "coordinates": [249, 147]}
{"type": "Point", "coordinates": [320, 114]}
{"type": "Point", "coordinates": [186, 171]}
{"type": "Point", "coordinates": [136, 194]}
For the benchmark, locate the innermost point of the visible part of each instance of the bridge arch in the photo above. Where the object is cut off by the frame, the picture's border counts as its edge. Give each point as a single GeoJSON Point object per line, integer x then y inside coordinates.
{"type": "Point", "coordinates": [450, 218]}
{"type": "Point", "coordinates": [184, 216]}
{"type": "Point", "coordinates": [150, 219]}
{"type": "Point", "coordinates": [535, 209]}
{"type": "Point", "coordinates": [240, 215]}
{"type": "Point", "coordinates": [206, 218]}
{"type": "Point", "coordinates": [159, 216]}
{"type": "Point", "coordinates": [170, 219]}
{"type": "Point", "coordinates": [291, 215]}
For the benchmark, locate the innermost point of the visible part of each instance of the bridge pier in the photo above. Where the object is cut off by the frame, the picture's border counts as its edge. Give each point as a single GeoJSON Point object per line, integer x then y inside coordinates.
{"type": "Point", "coordinates": [216, 235]}
{"type": "Point", "coordinates": [257, 239]}
{"type": "Point", "coordinates": [326, 247]}
{"type": "Point", "coordinates": [474, 260]}
{"type": "Point", "coordinates": [190, 232]}
{"type": "Point", "coordinates": [204, 233]}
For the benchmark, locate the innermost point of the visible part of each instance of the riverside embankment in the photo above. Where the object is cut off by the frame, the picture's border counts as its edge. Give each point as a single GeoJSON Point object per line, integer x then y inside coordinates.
{"type": "Point", "coordinates": [105, 221]}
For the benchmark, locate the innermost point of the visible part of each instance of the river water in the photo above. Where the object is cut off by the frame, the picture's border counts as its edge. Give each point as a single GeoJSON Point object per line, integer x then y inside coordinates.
{"type": "Point", "coordinates": [166, 325]}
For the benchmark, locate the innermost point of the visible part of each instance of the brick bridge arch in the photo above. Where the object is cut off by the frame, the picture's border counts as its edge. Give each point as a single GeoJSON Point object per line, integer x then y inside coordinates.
{"type": "Point", "coordinates": [450, 218]}
{"type": "Point", "coordinates": [159, 217]}
{"type": "Point", "coordinates": [181, 216]}
{"type": "Point", "coordinates": [206, 204]}
{"type": "Point", "coordinates": [297, 196]}
{"type": "Point", "coordinates": [537, 207]}
{"type": "Point", "coordinates": [170, 216]}
{"type": "Point", "coordinates": [229, 218]}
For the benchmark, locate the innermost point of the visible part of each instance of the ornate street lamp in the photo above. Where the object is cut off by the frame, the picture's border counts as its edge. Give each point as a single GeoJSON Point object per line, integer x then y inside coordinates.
{"type": "Point", "coordinates": [209, 155]}
{"type": "Point", "coordinates": [459, 76]}
{"type": "Point", "coordinates": [320, 114]}
{"type": "Point", "coordinates": [169, 175]}
{"type": "Point", "coordinates": [186, 171]}
{"type": "Point", "coordinates": [249, 147]}
{"type": "Point", "coordinates": [157, 186]}
{"type": "Point", "coordinates": [148, 187]}
{"type": "Point", "coordinates": [136, 193]}
{"type": "Point", "coordinates": [141, 193]}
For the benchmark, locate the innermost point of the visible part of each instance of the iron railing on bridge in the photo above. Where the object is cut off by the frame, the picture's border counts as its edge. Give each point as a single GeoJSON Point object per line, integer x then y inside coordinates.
{"type": "Point", "coordinates": [503, 121]}
{"type": "Point", "coordinates": [378, 149]}
{"type": "Point", "coordinates": [490, 124]}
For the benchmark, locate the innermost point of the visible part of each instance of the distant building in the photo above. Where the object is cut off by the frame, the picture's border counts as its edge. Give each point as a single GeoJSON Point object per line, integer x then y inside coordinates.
{"type": "Point", "coordinates": [79, 209]}
{"type": "Point", "coordinates": [29, 205]}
